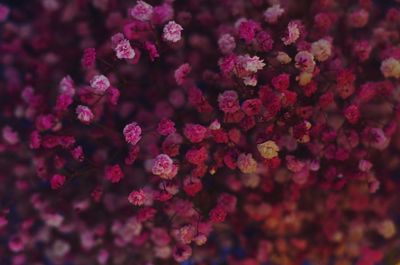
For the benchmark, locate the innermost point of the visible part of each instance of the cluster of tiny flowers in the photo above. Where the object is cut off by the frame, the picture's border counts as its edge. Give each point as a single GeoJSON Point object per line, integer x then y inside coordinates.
{"type": "Point", "coordinates": [238, 132]}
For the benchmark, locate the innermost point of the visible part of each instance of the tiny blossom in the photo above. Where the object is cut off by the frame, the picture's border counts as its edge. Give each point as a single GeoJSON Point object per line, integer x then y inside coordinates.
{"type": "Point", "coordinates": [283, 58]}
{"type": "Point", "coordinates": [272, 14]}
{"type": "Point", "coordinates": [172, 32]}
{"type": "Point", "coordinates": [251, 64]}
{"type": "Point", "coordinates": [182, 253]}
{"type": "Point", "coordinates": [142, 11]}
{"type": "Point", "coordinates": [57, 181]}
{"type": "Point", "coordinates": [364, 165]}
{"type": "Point", "coordinates": [293, 33]}
{"type": "Point", "coordinates": [67, 86]}
{"type": "Point", "coordinates": [162, 165]}
{"type": "Point", "coordinates": [181, 73]}
{"type": "Point", "coordinates": [9, 135]}
{"type": "Point", "coordinates": [195, 132]}
{"type": "Point", "coordinates": [362, 49]}
{"type": "Point", "coordinates": [217, 214]}
{"type": "Point", "coordinates": [89, 57]}
{"type": "Point", "coordinates": [114, 173]}
{"type": "Point", "coordinates": [305, 61]}
{"type": "Point", "coordinates": [85, 115]}
{"type": "Point", "coordinates": [264, 41]}
{"type": "Point", "coordinates": [251, 107]}
{"type": "Point", "coordinates": [321, 50]}
{"type": "Point", "coordinates": [246, 163]}
{"type": "Point", "coordinates": [100, 83]}
{"type": "Point", "coordinates": [352, 113]}
{"type": "Point", "coordinates": [268, 149]}
{"type": "Point", "coordinates": [358, 18]}
{"type": "Point", "coordinates": [247, 30]}
{"type": "Point", "coordinates": [192, 186]}
{"type": "Point", "coordinates": [137, 197]}
{"type": "Point", "coordinates": [152, 49]}
{"type": "Point", "coordinates": [162, 13]}
{"type": "Point", "coordinates": [228, 101]}
{"type": "Point", "coordinates": [226, 43]}
{"type": "Point", "coordinates": [35, 140]}
{"type": "Point", "coordinates": [391, 68]}
{"type": "Point", "coordinates": [281, 82]}
{"type": "Point", "coordinates": [124, 50]}
{"type": "Point", "coordinates": [77, 153]}
{"type": "Point", "coordinates": [132, 133]}
{"type": "Point", "coordinates": [166, 127]}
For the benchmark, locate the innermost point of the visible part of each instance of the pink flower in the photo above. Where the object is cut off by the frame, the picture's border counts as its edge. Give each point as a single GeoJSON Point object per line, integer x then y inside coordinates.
{"type": "Point", "coordinates": [89, 57]}
{"type": "Point", "coordinates": [358, 18]}
{"type": "Point", "coordinates": [182, 253]}
{"type": "Point", "coordinates": [293, 33]}
{"type": "Point", "coordinates": [166, 127]}
{"type": "Point", "coordinates": [132, 133]}
{"type": "Point", "coordinates": [114, 173]}
{"type": "Point", "coordinates": [181, 73]}
{"type": "Point", "coordinates": [9, 135]}
{"type": "Point", "coordinates": [35, 140]}
{"type": "Point", "coordinates": [85, 115]}
{"type": "Point", "coordinates": [228, 101]}
{"type": "Point", "coordinates": [152, 49]}
{"type": "Point", "coordinates": [217, 215]}
{"type": "Point", "coordinates": [172, 32]}
{"type": "Point", "coordinates": [352, 114]}
{"type": "Point", "coordinates": [137, 197]}
{"type": "Point", "coordinates": [226, 43]}
{"type": "Point", "coordinates": [305, 61]}
{"type": "Point", "coordinates": [100, 83]}
{"type": "Point", "coordinates": [272, 14]}
{"type": "Point", "coordinates": [247, 30]}
{"type": "Point", "coordinates": [162, 165]}
{"type": "Point", "coordinates": [142, 11]}
{"type": "Point", "coordinates": [124, 50]}
{"type": "Point", "coordinates": [281, 82]}
{"type": "Point", "coordinates": [57, 181]}
{"type": "Point", "coordinates": [264, 41]}
{"type": "Point", "coordinates": [195, 132]}
{"type": "Point", "coordinates": [192, 186]}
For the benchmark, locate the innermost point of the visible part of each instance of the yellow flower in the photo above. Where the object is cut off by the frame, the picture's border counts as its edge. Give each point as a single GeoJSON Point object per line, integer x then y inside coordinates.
{"type": "Point", "coordinates": [268, 149]}
{"type": "Point", "coordinates": [387, 229]}
{"type": "Point", "coordinates": [246, 163]}
{"type": "Point", "coordinates": [391, 68]}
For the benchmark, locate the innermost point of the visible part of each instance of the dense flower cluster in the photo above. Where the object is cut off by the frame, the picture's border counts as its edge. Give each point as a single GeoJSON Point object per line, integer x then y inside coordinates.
{"type": "Point", "coordinates": [237, 132]}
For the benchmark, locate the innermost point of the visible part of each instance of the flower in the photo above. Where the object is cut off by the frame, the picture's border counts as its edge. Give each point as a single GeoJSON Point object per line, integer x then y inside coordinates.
{"type": "Point", "coordinates": [228, 101]}
{"type": "Point", "coordinates": [246, 163]}
{"type": "Point", "coordinates": [305, 61]}
{"type": "Point", "coordinates": [195, 132]}
{"type": "Point", "coordinates": [114, 173]}
{"type": "Point", "coordinates": [293, 33]}
{"type": "Point", "coordinates": [142, 11]}
{"type": "Point", "coordinates": [226, 43]}
{"type": "Point", "coordinates": [100, 83]}
{"type": "Point", "coordinates": [137, 197]}
{"type": "Point", "coordinates": [321, 49]}
{"type": "Point", "coordinates": [181, 73]}
{"type": "Point", "coordinates": [124, 50]}
{"type": "Point", "coordinates": [391, 68]}
{"type": "Point", "coordinates": [162, 165]}
{"type": "Point", "coordinates": [85, 115]}
{"type": "Point", "coordinates": [268, 149]}
{"type": "Point", "coordinates": [172, 32]}
{"type": "Point", "coordinates": [57, 181]}
{"type": "Point", "coordinates": [272, 14]}
{"type": "Point", "coordinates": [132, 133]}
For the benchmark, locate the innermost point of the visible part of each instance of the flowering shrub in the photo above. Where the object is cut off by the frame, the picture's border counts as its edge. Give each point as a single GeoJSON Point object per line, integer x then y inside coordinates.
{"type": "Point", "coordinates": [199, 132]}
